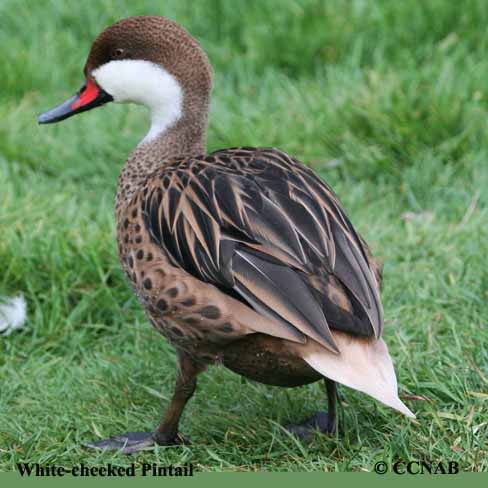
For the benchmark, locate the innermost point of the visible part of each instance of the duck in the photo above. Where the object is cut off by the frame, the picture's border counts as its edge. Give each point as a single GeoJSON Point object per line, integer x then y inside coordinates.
{"type": "Point", "coordinates": [243, 257]}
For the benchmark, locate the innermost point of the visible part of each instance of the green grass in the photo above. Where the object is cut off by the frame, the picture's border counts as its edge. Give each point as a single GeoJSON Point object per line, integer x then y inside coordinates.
{"type": "Point", "coordinates": [387, 99]}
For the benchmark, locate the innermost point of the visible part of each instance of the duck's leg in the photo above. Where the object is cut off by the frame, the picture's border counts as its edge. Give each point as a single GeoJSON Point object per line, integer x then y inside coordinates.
{"type": "Point", "coordinates": [186, 382]}
{"type": "Point", "coordinates": [324, 422]}
{"type": "Point", "coordinates": [166, 433]}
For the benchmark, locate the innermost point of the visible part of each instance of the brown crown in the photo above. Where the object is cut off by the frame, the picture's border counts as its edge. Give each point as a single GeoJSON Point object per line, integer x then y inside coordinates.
{"type": "Point", "coordinates": [156, 39]}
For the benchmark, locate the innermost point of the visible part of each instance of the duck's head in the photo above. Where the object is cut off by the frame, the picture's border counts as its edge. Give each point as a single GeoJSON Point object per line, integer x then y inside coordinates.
{"type": "Point", "coordinates": [147, 60]}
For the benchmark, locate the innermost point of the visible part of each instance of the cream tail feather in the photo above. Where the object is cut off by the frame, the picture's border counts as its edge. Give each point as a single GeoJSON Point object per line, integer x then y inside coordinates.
{"type": "Point", "coordinates": [363, 365]}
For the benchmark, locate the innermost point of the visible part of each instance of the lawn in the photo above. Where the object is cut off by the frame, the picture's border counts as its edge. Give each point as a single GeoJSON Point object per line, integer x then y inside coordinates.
{"type": "Point", "coordinates": [388, 100]}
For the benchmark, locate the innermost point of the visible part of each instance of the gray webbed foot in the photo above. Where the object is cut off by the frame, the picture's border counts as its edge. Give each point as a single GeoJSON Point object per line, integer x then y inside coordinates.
{"type": "Point", "coordinates": [132, 442]}
{"type": "Point", "coordinates": [318, 422]}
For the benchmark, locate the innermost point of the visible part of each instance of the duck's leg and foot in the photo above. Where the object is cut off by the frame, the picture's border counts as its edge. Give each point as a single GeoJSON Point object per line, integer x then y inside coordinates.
{"type": "Point", "coordinates": [324, 422]}
{"type": "Point", "coordinates": [166, 433]}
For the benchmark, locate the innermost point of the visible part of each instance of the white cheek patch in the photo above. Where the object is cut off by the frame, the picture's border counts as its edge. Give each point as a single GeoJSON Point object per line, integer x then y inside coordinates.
{"type": "Point", "coordinates": [144, 83]}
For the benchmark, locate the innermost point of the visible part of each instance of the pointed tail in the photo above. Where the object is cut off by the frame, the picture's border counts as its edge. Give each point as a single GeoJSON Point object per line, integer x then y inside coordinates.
{"type": "Point", "coordinates": [364, 365]}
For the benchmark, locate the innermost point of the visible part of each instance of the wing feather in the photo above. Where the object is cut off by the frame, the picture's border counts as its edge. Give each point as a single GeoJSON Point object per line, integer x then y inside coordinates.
{"type": "Point", "coordinates": [260, 224]}
{"type": "Point", "coordinates": [274, 285]}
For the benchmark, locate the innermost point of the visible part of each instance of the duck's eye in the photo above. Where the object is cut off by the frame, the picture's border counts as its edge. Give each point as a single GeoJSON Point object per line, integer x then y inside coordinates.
{"type": "Point", "coordinates": [118, 53]}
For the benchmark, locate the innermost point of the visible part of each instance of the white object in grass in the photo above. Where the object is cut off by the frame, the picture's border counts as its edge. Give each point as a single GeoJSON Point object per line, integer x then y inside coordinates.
{"type": "Point", "coordinates": [13, 313]}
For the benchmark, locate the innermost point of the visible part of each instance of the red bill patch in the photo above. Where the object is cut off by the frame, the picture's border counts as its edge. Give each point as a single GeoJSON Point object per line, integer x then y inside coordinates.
{"type": "Point", "coordinates": [89, 94]}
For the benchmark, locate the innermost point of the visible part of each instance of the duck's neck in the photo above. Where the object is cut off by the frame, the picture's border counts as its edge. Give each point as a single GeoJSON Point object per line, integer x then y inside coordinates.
{"type": "Point", "coordinates": [185, 138]}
